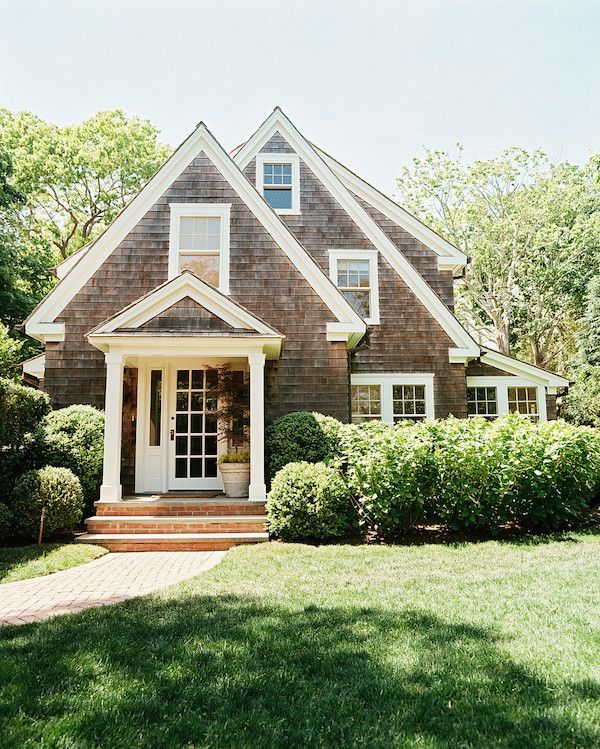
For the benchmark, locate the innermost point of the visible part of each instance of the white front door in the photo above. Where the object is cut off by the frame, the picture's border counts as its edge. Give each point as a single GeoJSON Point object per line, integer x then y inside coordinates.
{"type": "Point", "coordinates": [193, 429]}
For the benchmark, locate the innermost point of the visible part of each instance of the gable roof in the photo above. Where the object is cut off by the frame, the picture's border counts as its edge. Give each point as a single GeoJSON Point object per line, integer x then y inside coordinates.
{"type": "Point", "coordinates": [520, 368]}
{"type": "Point", "coordinates": [449, 257]}
{"type": "Point", "coordinates": [201, 140]}
{"type": "Point", "coordinates": [277, 122]}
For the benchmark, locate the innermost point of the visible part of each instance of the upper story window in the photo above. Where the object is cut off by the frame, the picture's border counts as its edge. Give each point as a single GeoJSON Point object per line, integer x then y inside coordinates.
{"type": "Point", "coordinates": [278, 180]}
{"type": "Point", "coordinates": [199, 242]}
{"type": "Point", "coordinates": [354, 272]}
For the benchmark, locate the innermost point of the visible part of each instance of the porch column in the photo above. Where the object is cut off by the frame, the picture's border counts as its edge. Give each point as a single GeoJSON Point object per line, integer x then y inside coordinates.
{"type": "Point", "coordinates": [111, 489]}
{"type": "Point", "coordinates": [257, 490]}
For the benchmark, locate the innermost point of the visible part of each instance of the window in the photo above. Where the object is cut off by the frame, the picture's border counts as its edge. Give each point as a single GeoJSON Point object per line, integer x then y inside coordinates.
{"type": "Point", "coordinates": [155, 407]}
{"type": "Point", "coordinates": [354, 272]}
{"type": "Point", "coordinates": [490, 396]}
{"type": "Point", "coordinates": [482, 401]}
{"type": "Point", "coordinates": [523, 400]}
{"type": "Point", "coordinates": [199, 242]}
{"type": "Point", "coordinates": [392, 397]}
{"type": "Point", "coordinates": [408, 402]}
{"type": "Point", "coordinates": [278, 180]}
{"type": "Point", "coordinates": [366, 402]}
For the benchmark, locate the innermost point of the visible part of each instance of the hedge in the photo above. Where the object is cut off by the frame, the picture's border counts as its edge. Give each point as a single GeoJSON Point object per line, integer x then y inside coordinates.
{"type": "Point", "coordinates": [5, 522]}
{"type": "Point", "coordinates": [57, 489]}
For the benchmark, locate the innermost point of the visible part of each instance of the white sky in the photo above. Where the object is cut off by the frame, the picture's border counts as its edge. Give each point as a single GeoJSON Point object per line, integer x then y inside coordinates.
{"type": "Point", "coordinates": [370, 81]}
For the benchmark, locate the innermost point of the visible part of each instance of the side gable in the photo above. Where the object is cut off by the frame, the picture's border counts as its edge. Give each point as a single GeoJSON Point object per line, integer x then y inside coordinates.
{"type": "Point", "coordinates": [199, 141]}
{"type": "Point", "coordinates": [464, 345]}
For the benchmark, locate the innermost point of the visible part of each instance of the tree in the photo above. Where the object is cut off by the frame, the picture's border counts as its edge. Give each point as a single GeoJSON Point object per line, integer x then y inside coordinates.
{"type": "Point", "coordinates": [532, 229]}
{"type": "Point", "coordinates": [77, 178]}
{"type": "Point", "coordinates": [10, 353]}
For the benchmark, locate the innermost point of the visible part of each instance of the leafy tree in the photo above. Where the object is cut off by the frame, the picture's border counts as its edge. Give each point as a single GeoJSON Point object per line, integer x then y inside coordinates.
{"type": "Point", "coordinates": [10, 353]}
{"type": "Point", "coordinates": [77, 178]}
{"type": "Point", "coordinates": [532, 229]}
{"type": "Point", "coordinates": [589, 337]}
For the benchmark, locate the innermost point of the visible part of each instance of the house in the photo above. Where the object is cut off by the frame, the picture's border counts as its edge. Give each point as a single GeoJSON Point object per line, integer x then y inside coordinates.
{"type": "Point", "coordinates": [282, 262]}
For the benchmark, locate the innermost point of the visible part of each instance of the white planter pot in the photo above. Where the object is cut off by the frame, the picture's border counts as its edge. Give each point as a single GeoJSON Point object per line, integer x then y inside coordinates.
{"type": "Point", "coordinates": [236, 478]}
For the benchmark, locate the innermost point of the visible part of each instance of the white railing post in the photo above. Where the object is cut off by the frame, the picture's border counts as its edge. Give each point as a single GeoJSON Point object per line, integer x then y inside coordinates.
{"type": "Point", "coordinates": [258, 490]}
{"type": "Point", "coordinates": [111, 489]}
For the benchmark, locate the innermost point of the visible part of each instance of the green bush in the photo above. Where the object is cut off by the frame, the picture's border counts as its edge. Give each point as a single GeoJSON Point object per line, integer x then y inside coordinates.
{"type": "Point", "coordinates": [21, 409]}
{"type": "Point", "coordinates": [300, 436]}
{"type": "Point", "coordinates": [308, 502]}
{"type": "Point", "coordinates": [57, 489]}
{"type": "Point", "coordinates": [389, 472]}
{"type": "Point", "coordinates": [5, 522]}
{"type": "Point", "coordinates": [73, 438]}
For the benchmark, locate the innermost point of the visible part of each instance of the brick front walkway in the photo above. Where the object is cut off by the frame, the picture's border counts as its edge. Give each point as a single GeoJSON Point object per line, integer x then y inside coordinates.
{"type": "Point", "coordinates": [109, 579]}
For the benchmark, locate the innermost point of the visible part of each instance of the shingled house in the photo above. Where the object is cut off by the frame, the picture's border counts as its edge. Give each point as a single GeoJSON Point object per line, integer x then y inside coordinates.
{"type": "Point", "coordinates": [282, 262]}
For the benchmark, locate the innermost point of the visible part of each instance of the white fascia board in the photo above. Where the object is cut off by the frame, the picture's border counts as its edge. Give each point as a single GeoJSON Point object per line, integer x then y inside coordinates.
{"type": "Point", "coordinates": [157, 345]}
{"type": "Point", "coordinates": [46, 332]}
{"type": "Point", "coordinates": [463, 355]}
{"type": "Point", "coordinates": [278, 122]}
{"type": "Point", "coordinates": [450, 257]}
{"type": "Point", "coordinates": [523, 369]}
{"type": "Point", "coordinates": [69, 263]}
{"type": "Point", "coordinates": [339, 331]}
{"type": "Point", "coordinates": [36, 366]}
{"type": "Point", "coordinates": [184, 285]}
{"type": "Point", "coordinates": [200, 140]}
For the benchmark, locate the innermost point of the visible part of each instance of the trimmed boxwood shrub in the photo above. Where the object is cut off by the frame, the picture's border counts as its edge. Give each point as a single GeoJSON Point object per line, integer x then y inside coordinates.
{"type": "Point", "coordinates": [300, 436]}
{"type": "Point", "coordinates": [73, 438]}
{"type": "Point", "coordinates": [59, 490]}
{"type": "Point", "coordinates": [308, 502]}
{"type": "Point", "coordinates": [5, 522]}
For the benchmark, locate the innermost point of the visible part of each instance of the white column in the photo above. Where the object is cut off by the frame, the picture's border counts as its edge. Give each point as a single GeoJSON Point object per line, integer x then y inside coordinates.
{"type": "Point", "coordinates": [258, 489]}
{"type": "Point", "coordinates": [111, 489]}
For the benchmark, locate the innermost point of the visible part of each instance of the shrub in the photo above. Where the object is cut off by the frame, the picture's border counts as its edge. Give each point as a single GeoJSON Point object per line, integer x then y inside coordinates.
{"type": "Point", "coordinates": [300, 436]}
{"type": "Point", "coordinates": [57, 489]}
{"type": "Point", "coordinates": [73, 438]}
{"type": "Point", "coordinates": [308, 502]}
{"type": "Point", "coordinates": [389, 472]}
{"type": "Point", "coordinates": [5, 522]}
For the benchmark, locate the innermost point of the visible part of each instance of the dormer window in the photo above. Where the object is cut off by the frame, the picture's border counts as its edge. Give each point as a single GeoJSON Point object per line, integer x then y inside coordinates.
{"type": "Point", "coordinates": [354, 272]}
{"type": "Point", "coordinates": [199, 242]}
{"type": "Point", "coordinates": [278, 180]}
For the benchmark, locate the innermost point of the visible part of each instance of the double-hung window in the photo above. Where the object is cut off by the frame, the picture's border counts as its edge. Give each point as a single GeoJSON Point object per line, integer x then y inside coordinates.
{"type": "Point", "coordinates": [278, 180]}
{"type": "Point", "coordinates": [354, 272]}
{"type": "Point", "coordinates": [199, 242]}
{"type": "Point", "coordinates": [489, 396]}
{"type": "Point", "coordinates": [482, 401]}
{"type": "Point", "coordinates": [392, 397]}
{"type": "Point", "coordinates": [524, 401]}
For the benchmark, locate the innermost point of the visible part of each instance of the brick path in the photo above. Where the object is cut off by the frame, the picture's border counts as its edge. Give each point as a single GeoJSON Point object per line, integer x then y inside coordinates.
{"type": "Point", "coordinates": [109, 579]}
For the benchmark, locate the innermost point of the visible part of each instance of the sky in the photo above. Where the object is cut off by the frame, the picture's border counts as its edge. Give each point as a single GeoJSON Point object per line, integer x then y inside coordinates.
{"type": "Point", "coordinates": [372, 82]}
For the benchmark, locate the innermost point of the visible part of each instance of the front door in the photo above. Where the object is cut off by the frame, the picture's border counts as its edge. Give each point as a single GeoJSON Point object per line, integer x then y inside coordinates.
{"type": "Point", "coordinates": [193, 429]}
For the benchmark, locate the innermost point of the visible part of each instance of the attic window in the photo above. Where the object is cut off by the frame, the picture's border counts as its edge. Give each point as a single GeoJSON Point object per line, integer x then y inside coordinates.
{"type": "Point", "coordinates": [199, 242]}
{"type": "Point", "coordinates": [278, 179]}
{"type": "Point", "coordinates": [354, 272]}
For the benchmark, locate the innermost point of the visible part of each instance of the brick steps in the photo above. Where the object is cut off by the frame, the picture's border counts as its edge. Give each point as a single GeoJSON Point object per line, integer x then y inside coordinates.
{"type": "Point", "coordinates": [170, 541]}
{"type": "Point", "coordinates": [176, 523]}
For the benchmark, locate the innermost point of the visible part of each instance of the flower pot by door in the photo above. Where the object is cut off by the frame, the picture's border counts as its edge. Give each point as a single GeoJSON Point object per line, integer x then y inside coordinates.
{"type": "Point", "coordinates": [236, 478]}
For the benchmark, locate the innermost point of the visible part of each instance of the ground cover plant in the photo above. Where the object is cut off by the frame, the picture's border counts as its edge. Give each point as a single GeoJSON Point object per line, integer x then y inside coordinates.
{"type": "Point", "coordinates": [282, 645]}
{"type": "Point", "coordinates": [23, 562]}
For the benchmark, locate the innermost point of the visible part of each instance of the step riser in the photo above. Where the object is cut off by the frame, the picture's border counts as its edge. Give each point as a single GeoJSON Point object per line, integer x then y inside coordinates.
{"type": "Point", "coordinates": [179, 510]}
{"type": "Point", "coordinates": [97, 525]}
{"type": "Point", "coordinates": [221, 545]}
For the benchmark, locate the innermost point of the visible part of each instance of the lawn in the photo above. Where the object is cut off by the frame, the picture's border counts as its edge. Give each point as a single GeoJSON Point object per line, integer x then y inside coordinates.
{"type": "Point", "coordinates": [22, 562]}
{"type": "Point", "coordinates": [474, 645]}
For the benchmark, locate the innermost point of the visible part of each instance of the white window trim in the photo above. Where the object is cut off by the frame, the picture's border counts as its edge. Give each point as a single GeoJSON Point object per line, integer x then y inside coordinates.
{"type": "Point", "coordinates": [201, 210]}
{"type": "Point", "coordinates": [280, 158]}
{"type": "Point", "coordinates": [373, 257]}
{"type": "Point", "coordinates": [387, 381]}
{"type": "Point", "coordinates": [503, 383]}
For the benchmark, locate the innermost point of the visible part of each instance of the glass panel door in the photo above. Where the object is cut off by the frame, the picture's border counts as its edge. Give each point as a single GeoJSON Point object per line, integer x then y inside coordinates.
{"type": "Point", "coordinates": [194, 430]}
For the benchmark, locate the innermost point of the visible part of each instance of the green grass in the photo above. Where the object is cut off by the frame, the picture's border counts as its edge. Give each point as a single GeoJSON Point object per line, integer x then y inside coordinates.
{"type": "Point", "coordinates": [475, 645]}
{"type": "Point", "coordinates": [22, 562]}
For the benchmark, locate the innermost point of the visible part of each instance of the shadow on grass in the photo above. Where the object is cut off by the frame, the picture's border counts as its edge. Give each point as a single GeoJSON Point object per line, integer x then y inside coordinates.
{"type": "Point", "coordinates": [15, 556]}
{"type": "Point", "coordinates": [227, 671]}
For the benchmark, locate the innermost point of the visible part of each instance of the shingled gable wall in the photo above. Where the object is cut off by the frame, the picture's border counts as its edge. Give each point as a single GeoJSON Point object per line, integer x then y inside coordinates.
{"type": "Point", "coordinates": [408, 338]}
{"type": "Point", "coordinates": [312, 372]}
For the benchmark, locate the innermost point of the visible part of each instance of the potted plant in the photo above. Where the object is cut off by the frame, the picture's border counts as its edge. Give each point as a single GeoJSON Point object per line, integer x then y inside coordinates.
{"type": "Point", "coordinates": [232, 391]}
